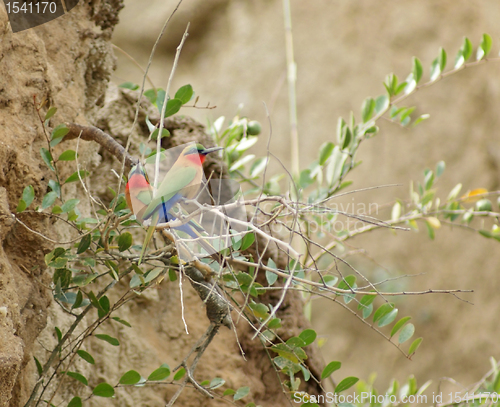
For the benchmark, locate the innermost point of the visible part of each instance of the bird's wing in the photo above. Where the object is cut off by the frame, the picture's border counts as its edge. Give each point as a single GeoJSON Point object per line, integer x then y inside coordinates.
{"type": "Point", "coordinates": [175, 180]}
{"type": "Point", "coordinates": [145, 196]}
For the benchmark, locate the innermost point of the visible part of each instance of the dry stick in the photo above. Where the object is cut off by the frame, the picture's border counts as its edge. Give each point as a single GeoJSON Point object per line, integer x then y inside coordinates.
{"type": "Point", "coordinates": [336, 290]}
{"type": "Point", "coordinates": [164, 107]}
{"type": "Point", "coordinates": [136, 117]}
{"type": "Point", "coordinates": [292, 79]}
{"type": "Point", "coordinates": [200, 348]}
{"type": "Point", "coordinates": [135, 63]}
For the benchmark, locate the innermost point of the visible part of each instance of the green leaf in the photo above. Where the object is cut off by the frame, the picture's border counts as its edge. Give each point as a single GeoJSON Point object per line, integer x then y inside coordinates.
{"type": "Point", "coordinates": [274, 323]}
{"type": "Point", "coordinates": [173, 106]}
{"type": "Point", "coordinates": [68, 155]}
{"type": "Point", "coordinates": [58, 333]}
{"type": "Point", "coordinates": [49, 199]}
{"type": "Point", "coordinates": [124, 241]}
{"type": "Point", "coordinates": [64, 275]}
{"type": "Point", "coordinates": [74, 177]}
{"type": "Point", "coordinates": [484, 47]}
{"type": "Point", "coordinates": [21, 206]}
{"type": "Point", "coordinates": [367, 311]}
{"type": "Point", "coordinates": [84, 244]}
{"type": "Point", "coordinates": [47, 158]}
{"type": "Point", "coordinates": [345, 384]}
{"type": "Point", "coordinates": [93, 300]}
{"type": "Point", "coordinates": [414, 346]}
{"type": "Point", "coordinates": [442, 59]}
{"type": "Point", "coordinates": [417, 69]}
{"type": "Point", "coordinates": [383, 310]}
{"type": "Point", "coordinates": [28, 195]}
{"type": "Point", "coordinates": [467, 49]}
{"type": "Point", "coordinates": [152, 274]}
{"type": "Point", "coordinates": [295, 341]}
{"type": "Point", "coordinates": [228, 392]}
{"type": "Point", "coordinates": [87, 357]}
{"type": "Point", "coordinates": [164, 133]}
{"type": "Point", "coordinates": [440, 168]}
{"type": "Point", "coordinates": [430, 230]}
{"type": "Point", "coordinates": [241, 392]}
{"type": "Point", "coordinates": [292, 353]}
{"type": "Point", "coordinates": [388, 318]}
{"type": "Point", "coordinates": [367, 109]}
{"type": "Point", "coordinates": [69, 205]}
{"type": "Point", "coordinates": [184, 94]}
{"type": "Point", "coordinates": [381, 103]}
{"type": "Point", "coordinates": [51, 112]}
{"type": "Point", "coordinates": [247, 241]}
{"type": "Point", "coordinates": [454, 192]}
{"type": "Point", "coordinates": [78, 300]}
{"type": "Point", "coordinates": [325, 151]}
{"type": "Point", "coordinates": [305, 179]}
{"type": "Point", "coordinates": [77, 376]}
{"type": "Point", "coordinates": [366, 300]}
{"type": "Point", "coordinates": [75, 402]}
{"type": "Point", "coordinates": [122, 321]}
{"type": "Point", "coordinates": [103, 390]}
{"type": "Point", "coordinates": [109, 339]}
{"type": "Point", "coordinates": [58, 133]}
{"type": "Point", "coordinates": [435, 72]}
{"type": "Point", "coordinates": [39, 367]}
{"type": "Point", "coordinates": [308, 336]}
{"type": "Point", "coordinates": [160, 98]}
{"type": "Point", "coordinates": [258, 166]}
{"type": "Point", "coordinates": [216, 383]}
{"type": "Point", "coordinates": [406, 333]}
{"type": "Point", "coordinates": [398, 325]}
{"type": "Point", "coordinates": [259, 310]}
{"type": "Point", "coordinates": [160, 374]}
{"type": "Point", "coordinates": [104, 303]}
{"type": "Point", "coordinates": [129, 85]}
{"type": "Point", "coordinates": [130, 377]}
{"type": "Point", "coordinates": [330, 368]}
{"type": "Point", "coordinates": [180, 374]}
{"type": "Point", "coordinates": [270, 276]}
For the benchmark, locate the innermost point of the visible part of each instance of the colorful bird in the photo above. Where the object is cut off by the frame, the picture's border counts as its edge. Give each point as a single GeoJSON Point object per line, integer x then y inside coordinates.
{"type": "Point", "coordinates": [138, 191]}
{"type": "Point", "coordinates": [182, 181]}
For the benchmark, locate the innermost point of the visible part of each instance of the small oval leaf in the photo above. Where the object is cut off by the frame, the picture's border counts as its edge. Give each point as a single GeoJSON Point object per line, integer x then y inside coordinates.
{"type": "Point", "coordinates": [87, 357]}
{"type": "Point", "coordinates": [241, 392]}
{"type": "Point", "coordinates": [68, 155]}
{"type": "Point", "coordinates": [406, 333]}
{"type": "Point", "coordinates": [159, 374]}
{"type": "Point", "coordinates": [124, 241]}
{"type": "Point", "coordinates": [109, 339]}
{"type": "Point", "coordinates": [330, 368]}
{"type": "Point", "coordinates": [103, 390]}
{"type": "Point", "coordinates": [346, 384]}
{"type": "Point", "coordinates": [414, 346]}
{"type": "Point", "coordinates": [130, 377]}
{"type": "Point", "coordinates": [308, 336]}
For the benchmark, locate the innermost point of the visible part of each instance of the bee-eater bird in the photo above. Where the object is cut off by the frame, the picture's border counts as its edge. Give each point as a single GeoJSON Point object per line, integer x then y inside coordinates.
{"type": "Point", "coordinates": [138, 191]}
{"type": "Point", "coordinates": [182, 181]}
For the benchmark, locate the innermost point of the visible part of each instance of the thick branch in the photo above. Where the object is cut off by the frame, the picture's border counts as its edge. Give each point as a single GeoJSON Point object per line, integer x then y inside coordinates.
{"type": "Point", "coordinates": [91, 133]}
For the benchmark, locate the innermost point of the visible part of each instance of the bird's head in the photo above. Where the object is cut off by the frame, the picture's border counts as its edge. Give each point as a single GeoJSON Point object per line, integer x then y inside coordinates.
{"type": "Point", "coordinates": [197, 153]}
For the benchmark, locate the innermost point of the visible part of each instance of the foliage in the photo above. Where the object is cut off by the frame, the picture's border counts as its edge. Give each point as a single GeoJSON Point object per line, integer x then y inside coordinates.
{"type": "Point", "coordinates": [87, 269]}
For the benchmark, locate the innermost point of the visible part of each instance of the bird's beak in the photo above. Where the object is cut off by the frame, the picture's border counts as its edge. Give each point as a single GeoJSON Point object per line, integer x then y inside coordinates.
{"type": "Point", "coordinates": [211, 150]}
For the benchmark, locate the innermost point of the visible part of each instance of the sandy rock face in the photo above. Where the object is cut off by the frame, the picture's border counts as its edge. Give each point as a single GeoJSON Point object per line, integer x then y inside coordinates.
{"type": "Point", "coordinates": [66, 63]}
